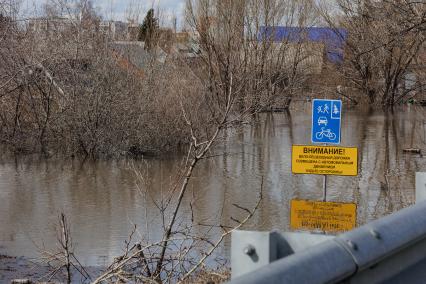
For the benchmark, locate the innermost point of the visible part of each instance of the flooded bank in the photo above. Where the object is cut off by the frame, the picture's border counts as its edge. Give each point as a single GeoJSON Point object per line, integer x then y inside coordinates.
{"type": "Point", "coordinates": [104, 200]}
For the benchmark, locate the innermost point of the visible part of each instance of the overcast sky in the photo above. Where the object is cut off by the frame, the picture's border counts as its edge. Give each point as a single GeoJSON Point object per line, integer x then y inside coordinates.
{"type": "Point", "coordinates": [123, 9]}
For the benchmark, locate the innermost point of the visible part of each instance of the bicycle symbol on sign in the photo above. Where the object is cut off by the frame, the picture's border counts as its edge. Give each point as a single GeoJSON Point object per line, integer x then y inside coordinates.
{"type": "Point", "coordinates": [325, 133]}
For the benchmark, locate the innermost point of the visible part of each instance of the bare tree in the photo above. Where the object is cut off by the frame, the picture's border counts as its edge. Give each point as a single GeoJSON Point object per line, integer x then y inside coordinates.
{"type": "Point", "coordinates": [384, 40]}
{"type": "Point", "coordinates": [234, 44]}
{"type": "Point", "coordinates": [172, 257]}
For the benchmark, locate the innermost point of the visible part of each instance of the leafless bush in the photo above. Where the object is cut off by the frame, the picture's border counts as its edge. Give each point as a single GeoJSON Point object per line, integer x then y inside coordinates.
{"type": "Point", "coordinates": [63, 89]}
{"type": "Point", "coordinates": [183, 249]}
{"type": "Point", "coordinates": [63, 260]}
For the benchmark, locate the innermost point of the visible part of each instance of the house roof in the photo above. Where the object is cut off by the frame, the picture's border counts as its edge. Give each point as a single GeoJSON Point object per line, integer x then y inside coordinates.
{"type": "Point", "coordinates": [131, 54]}
{"type": "Point", "coordinates": [333, 39]}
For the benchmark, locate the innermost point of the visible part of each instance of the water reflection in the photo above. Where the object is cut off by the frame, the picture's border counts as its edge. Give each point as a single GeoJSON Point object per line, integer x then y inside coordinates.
{"type": "Point", "coordinates": [103, 199]}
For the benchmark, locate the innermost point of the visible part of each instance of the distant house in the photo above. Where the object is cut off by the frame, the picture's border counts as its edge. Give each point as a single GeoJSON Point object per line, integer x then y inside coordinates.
{"type": "Point", "coordinates": [132, 56]}
{"type": "Point", "coordinates": [120, 31]}
{"type": "Point", "coordinates": [132, 31]}
{"type": "Point", "coordinates": [182, 37]}
{"type": "Point", "coordinates": [333, 40]}
{"type": "Point", "coordinates": [51, 26]}
{"type": "Point", "coordinates": [115, 30]}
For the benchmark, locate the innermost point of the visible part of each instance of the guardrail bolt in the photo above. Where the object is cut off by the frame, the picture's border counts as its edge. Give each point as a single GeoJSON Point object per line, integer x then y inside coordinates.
{"type": "Point", "coordinates": [375, 234]}
{"type": "Point", "coordinates": [249, 250]}
{"type": "Point", "coordinates": [352, 245]}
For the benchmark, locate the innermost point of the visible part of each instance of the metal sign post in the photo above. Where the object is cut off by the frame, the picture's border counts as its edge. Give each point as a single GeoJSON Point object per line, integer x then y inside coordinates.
{"type": "Point", "coordinates": [326, 123]}
{"type": "Point", "coordinates": [324, 159]}
{"type": "Point", "coordinates": [324, 186]}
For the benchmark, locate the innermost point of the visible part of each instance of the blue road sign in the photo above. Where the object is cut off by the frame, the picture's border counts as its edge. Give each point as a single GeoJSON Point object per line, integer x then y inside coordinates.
{"type": "Point", "coordinates": [326, 117]}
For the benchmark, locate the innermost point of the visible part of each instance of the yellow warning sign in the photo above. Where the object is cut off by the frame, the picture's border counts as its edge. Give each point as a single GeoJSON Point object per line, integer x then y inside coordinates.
{"type": "Point", "coordinates": [324, 160]}
{"type": "Point", "coordinates": [324, 216]}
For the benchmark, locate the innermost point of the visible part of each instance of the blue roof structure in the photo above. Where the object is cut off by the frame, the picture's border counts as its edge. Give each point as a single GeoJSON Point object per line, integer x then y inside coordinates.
{"type": "Point", "coordinates": [333, 39]}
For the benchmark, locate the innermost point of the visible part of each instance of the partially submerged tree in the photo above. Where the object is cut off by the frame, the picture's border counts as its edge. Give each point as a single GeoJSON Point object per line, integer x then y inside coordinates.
{"type": "Point", "coordinates": [384, 39]}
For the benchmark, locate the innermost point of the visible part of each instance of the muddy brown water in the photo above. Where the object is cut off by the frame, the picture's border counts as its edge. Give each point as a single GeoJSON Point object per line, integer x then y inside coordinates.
{"type": "Point", "coordinates": [103, 199]}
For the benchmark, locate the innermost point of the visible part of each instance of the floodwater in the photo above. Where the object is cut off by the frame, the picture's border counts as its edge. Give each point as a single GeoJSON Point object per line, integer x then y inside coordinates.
{"type": "Point", "coordinates": [104, 199]}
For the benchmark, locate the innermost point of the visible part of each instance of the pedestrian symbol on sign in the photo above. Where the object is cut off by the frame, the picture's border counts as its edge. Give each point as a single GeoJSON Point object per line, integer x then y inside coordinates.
{"type": "Point", "coordinates": [323, 109]}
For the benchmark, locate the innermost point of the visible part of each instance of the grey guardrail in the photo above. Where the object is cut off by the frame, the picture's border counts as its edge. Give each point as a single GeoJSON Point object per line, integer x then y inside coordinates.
{"type": "Point", "coordinates": [391, 249]}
